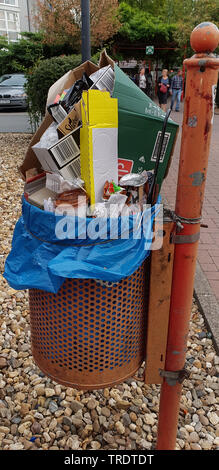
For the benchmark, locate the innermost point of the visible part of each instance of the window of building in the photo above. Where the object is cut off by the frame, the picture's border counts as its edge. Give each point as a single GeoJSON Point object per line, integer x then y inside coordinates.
{"type": "Point", "coordinates": [9, 25]}
{"type": "Point", "coordinates": [12, 21]}
{"type": "Point", "coordinates": [2, 20]}
{"type": "Point", "coordinates": [3, 33]}
{"type": "Point", "coordinates": [12, 36]}
{"type": "Point", "coordinates": [9, 2]}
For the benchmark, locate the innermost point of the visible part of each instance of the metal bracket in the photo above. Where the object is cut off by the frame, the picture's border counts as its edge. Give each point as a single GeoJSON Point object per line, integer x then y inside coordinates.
{"type": "Point", "coordinates": [172, 377]}
{"type": "Point", "coordinates": [181, 239]}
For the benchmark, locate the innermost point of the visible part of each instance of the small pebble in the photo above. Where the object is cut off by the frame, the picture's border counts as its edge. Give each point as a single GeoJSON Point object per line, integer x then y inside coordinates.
{"type": "Point", "coordinates": [95, 445]}
{"type": "Point", "coordinates": [3, 362]}
{"type": "Point", "coordinates": [120, 428]}
{"type": "Point", "coordinates": [92, 403]}
{"type": "Point", "coordinates": [53, 407]}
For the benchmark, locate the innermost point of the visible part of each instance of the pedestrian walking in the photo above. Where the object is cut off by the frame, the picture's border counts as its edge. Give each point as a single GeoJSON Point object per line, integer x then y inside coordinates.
{"type": "Point", "coordinates": [176, 90]}
{"type": "Point", "coordinates": [163, 86]}
{"type": "Point", "coordinates": [142, 80]}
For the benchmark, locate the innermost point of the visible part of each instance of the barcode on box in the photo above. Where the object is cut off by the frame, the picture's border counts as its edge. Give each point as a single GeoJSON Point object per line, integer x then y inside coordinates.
{"type": "Point", "coordinates": [73, 170]}
{"type": "Point", "coordinates": [58, 113]}
{"type": "Point", "coordinates": [164, 146]}
{"type": "Point", "coordinates": [105, 81]}
{"type": "Point", "coordinates": [64, 151]}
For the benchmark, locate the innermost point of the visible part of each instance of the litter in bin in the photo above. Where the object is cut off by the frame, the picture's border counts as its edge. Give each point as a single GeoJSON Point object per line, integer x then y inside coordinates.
{"type": "Point", "coordinates": [93, 158]}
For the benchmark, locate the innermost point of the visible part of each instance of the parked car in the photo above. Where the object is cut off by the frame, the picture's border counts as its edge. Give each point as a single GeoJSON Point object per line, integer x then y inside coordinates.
{"type": "Point", "coordinates": [12, 92]}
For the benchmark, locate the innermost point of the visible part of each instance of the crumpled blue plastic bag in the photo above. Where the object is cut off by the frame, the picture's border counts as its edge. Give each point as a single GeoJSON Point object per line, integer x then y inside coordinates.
{"type": "Point", "coordinates": [38, 259]}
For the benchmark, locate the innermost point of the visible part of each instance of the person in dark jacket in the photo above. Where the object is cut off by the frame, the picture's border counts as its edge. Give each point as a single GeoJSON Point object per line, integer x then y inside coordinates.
{"type": "Point", "coordinates": [176, 89]}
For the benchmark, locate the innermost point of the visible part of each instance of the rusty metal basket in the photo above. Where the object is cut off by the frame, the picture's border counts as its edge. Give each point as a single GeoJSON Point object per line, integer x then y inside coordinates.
{"type": "Point", "coordinates": [91, 334]}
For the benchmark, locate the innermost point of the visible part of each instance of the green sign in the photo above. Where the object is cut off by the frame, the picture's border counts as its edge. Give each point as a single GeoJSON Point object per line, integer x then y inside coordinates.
{"type": "Point", "coordinates": [149, 50]}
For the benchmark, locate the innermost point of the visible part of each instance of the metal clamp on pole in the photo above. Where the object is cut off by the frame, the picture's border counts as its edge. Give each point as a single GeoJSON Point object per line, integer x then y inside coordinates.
{"type": "Point", "coordinates": [172, 377]}
{"type": "Point", "coordinates": [181, 239]}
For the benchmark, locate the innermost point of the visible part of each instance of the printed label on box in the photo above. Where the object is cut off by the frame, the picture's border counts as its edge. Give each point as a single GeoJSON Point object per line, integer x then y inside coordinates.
{"type": "Point", "coordinates": [58, 112]}
{"type": "Point", "coordinates": [71, 171]}
{"type": "Point", "coordinates": [164, 146]}
{"type": "Point", "coordinates": [124, 166]}
{"type": "Point", "coordinates": [66, 149]}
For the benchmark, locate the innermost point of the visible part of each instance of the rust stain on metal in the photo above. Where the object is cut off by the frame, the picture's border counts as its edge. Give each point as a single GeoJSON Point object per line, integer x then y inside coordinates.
{"type": "Point", "coordinates": [207, 128]}
{"type": "Point", "coordinates": [187, 108]}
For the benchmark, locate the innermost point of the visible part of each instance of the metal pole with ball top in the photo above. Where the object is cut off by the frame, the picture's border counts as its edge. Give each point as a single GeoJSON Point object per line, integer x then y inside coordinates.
{"type": "Point", "coordinates": [202, 76]}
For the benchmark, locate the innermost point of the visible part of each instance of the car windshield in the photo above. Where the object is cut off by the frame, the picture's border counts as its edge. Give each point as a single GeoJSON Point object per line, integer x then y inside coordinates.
{"type": "Point", "coordinates": [12, 80]}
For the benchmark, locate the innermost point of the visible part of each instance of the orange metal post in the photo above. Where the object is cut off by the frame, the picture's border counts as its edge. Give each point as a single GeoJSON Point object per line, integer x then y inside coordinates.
{"type": "Point", "coordinates": [202, 74]}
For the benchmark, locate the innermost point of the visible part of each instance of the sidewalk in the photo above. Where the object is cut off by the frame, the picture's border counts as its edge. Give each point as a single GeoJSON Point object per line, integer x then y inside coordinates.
{"type": "Point", "coordinates": [207, 272]}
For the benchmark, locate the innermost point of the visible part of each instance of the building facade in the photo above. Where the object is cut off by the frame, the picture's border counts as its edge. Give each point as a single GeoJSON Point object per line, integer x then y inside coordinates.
{"type": "Point", "coordinates": [16, 16]}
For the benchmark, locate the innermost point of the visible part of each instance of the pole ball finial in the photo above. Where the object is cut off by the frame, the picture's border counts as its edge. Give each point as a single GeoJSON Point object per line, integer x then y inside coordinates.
{"type": "Point", "coordinates": [204, 37]}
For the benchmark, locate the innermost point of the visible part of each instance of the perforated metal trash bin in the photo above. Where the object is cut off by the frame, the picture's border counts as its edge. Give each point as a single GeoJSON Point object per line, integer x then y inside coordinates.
{"type": "Point", "coordinates": [90, 334]}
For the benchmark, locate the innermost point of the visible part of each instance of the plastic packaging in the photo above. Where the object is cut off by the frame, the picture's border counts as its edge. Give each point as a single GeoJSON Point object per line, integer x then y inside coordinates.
{"type": "Point", "coordinates": [134, 179]}
{"type": "Point", "coordinates": [74, 94]}
{"type": "Point", "coordinates": [49, 137]}
{"type": "Point", "coordinates": [49, 205]}
{"type": "Point", "coordinates": [58, 184]}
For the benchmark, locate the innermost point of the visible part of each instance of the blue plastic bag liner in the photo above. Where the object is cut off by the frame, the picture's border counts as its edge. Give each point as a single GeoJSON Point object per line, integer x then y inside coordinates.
{"type": "Point", "coordinates": [47, 248]}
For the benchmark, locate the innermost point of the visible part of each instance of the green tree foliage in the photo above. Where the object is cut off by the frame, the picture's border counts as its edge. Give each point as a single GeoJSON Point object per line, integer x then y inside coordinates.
{"type": "Point", "coordinates": [19, 56]}
{"type": "Point", "coordinates": [137, 24]}
{"type": "Point", "coordinates": [190, 13]}
{"type": "Point", "coordinates": [167, 17]}
{"type": "Point", "coordinates": [151, 6]}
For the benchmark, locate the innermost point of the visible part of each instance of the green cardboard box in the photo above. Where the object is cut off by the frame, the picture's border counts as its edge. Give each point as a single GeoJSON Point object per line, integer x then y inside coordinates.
{"type": "Point", "coordinates": [139, 131]}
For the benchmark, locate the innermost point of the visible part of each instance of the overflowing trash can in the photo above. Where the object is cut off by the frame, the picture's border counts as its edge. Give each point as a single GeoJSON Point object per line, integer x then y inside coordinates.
{"type": "Point", "coordinates": [82, 245]}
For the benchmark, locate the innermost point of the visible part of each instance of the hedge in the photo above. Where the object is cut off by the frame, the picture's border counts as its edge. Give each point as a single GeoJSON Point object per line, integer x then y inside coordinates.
{"type": "Point", "coordinates": [19, 56]}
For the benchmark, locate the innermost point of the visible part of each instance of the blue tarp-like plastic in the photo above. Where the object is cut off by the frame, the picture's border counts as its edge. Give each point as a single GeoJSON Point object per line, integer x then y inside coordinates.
{"type": "Point", "coordinates": [47, 248]}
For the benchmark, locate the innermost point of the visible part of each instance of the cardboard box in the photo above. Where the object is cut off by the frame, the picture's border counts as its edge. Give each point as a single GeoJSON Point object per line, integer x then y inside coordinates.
{"type": "Point", "coordinates": [99, 142]}
{"type": "Point", "coordinates": [57, 112]}
{"type": "Point", "coordinates": [71, 121]}
{"type": "Point", "coordinates": [62, 157]}
{"type": "Point", "coordinates": [139, 130]}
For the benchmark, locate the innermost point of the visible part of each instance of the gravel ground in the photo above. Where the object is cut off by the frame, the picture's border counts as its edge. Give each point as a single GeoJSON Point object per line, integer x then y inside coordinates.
{"type": "Point", "coordinates": [37, 413]}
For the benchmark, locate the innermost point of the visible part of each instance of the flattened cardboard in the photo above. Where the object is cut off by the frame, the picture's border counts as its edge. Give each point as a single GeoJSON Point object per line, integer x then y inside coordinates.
{"type": "Point", "coordinates": [31, 160]}
{"type": "Point", "coordinates": [105, 158]}
{"type": "Point", "coordinates": [99, 142]}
